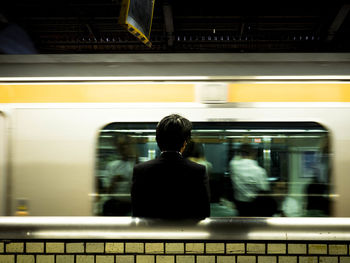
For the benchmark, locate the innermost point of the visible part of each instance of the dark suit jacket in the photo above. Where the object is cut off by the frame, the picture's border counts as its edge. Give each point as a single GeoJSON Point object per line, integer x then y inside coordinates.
{"type": "Point", "coordinates": [170, 187]}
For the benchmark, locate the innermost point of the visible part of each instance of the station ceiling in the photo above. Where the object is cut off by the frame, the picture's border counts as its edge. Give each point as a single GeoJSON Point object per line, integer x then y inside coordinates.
{"type": "Point", "coordinates": [91, 26]}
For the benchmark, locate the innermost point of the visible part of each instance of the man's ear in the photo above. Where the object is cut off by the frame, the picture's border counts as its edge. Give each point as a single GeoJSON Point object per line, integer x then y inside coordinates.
{"type": "Point", "coordinates": [183, 147]}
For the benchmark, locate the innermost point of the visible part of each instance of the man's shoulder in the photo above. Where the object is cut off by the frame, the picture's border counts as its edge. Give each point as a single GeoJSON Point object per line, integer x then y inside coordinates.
{"type": "Point", "coordinates": [146, 164]}
{"type": "Point", "coordinates": [180, 162]}
{"type": "Point", "coordinates": [194, 165]}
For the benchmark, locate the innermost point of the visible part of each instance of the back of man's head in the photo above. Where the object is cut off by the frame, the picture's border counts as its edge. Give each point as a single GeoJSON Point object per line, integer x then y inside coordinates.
{"type": "Point", "coordinates": [172, 132]}
{"type": "Point", "coordinates": [247, 151]}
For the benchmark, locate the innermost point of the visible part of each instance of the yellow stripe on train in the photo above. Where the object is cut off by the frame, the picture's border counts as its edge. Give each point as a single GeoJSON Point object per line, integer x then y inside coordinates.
{"type": "Point", "coordinates": [174, 92]}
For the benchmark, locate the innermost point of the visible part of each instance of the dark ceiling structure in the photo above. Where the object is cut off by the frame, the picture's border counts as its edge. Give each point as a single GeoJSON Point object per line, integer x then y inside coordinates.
{"type": "Point", "coordinates": [91, 26]}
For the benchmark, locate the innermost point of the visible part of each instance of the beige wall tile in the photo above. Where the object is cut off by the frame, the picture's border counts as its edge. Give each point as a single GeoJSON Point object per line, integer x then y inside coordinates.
{"type": "Point", "coordinates": [194, 248]}
{"type": "Point", "coordinates": [85, 259]}
{"type": "Point", "coordinates": [46, 259]}
{"type": "Point", "coordinates": [75, 247]}
{"type": "Point", "coordinates": [154, 248]}
{"type": "Point", "coordinates": [124, 259]}
{"type": "Point", "coordinates": [25, 259]}
{"type": "Point", "coordinates": [246, 259]}
{"type": "Point", "coordinates": [35, 247]}
{"type": "Point", "coordinates": [55, 247]}
{"type": "Point", "coordinates": [308, 259]}
{"type": "Point", "coordinates": [104, 259]}
{"type": "Point", "coordinates": [344, 259]}
{"type": "Point", "coordinates": [145, 259]}
{"type": "Point", "coordinates": [318, 249]}
{"type": "Point", "coordinates": [134, 248]}
{"type": "Point", "coordinates": [185, 259]}
{"type": "Point", "coordinates": [267, 259]}
{"type": "Point", "coordinates": [165, 259]}
{"type": "Point", "coordinates": [174, 248]}
{"type": "Point", "coordinates": [205, 259]}
{"type": "Point", "coordinates": [117, 248]}
{"type": "Point", "coordinates": [338, 249]}
{"type": "Point", "coordinates": [328, 259]}
{"type": "Point", "coordinates": [296, 248]}
{"type": "Point", "coordinates": [65, 259]}
{"type": "Point", "coordinates": [95, 247]}
{"type": "Point", "coordinates": [226, 259]}
{"type": "Point", "coordinates": [287, 259]}
{"type": "Point", "coordinates": [215, 248]}
{"type": "Point", "coordinates": [7, 258]}
{"type": "Point", "coordinates": [255, 248]}
{"type": "Point", "coordinates": [15, 247]}
{"type": "Point", "coordinates": [276, 248]}
{"type": "Point", "coordinates": [235, 248]}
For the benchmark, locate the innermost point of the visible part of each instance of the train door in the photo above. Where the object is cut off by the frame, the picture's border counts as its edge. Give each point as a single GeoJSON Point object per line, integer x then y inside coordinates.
{"type": "Point", "coordinates": [2, 164]}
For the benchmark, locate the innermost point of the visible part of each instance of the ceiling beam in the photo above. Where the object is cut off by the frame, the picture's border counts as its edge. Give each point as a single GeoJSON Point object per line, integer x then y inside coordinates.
{"type": "Point", "coordinates": [169, 23]}
{"type": "Point", "coordinates": [338, 21]}
{"type": "Point", "coordinates": [91, 32]}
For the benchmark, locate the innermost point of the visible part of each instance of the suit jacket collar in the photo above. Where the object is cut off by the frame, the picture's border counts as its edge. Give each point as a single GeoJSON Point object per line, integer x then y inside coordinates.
{"type": "Point", "coordinates": [171, 155]}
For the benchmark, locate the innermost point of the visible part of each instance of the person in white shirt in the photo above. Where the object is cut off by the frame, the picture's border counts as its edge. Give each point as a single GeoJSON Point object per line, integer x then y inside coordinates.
{"type": "Point", "coordinates": [119, 176]}
{"type": "Point", "coordinates": [287, 204]}
{"type": "Point", "coordinates": [249, 180]}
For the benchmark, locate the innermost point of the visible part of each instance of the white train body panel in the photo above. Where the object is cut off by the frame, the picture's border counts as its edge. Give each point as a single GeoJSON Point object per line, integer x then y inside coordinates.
{"type": "Point", "coordinates": [48, 141]}
{"type": "Point", "coordinates": [53, 149]}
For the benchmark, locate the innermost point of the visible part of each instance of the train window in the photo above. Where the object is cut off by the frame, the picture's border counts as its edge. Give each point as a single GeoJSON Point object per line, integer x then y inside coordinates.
{"type": "Point", "coordinates": [255, 168]}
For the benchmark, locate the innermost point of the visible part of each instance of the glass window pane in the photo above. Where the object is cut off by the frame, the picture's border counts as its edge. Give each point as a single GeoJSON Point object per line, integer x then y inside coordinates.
{"type": "Point", "coordinates": [254, 168]}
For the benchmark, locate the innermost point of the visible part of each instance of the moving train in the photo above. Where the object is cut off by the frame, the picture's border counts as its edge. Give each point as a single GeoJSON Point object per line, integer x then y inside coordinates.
{"type": "Point", "coordinates": [64, 119]}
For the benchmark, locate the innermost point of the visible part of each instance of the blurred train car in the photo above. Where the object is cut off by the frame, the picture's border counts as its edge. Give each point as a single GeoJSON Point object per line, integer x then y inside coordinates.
{"type": "Point", "coordinates": [68, 122]}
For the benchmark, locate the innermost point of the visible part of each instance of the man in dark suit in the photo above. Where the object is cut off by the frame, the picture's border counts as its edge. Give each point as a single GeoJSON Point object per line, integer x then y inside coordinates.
{"type": "Point", "coordinates": [171, 186]}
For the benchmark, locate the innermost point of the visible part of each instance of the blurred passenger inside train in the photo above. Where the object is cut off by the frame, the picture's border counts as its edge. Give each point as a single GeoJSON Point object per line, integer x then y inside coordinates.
{"type": "Point", "coordinates": [317, 198]}
{"type": "Point", "coordinates": [250, 183]}
{"type": "Point", "coordinates": [194, 152]}
{"type": "Point", "coordinates": [219, 206]}
{"type": "Point", "coordinates": [287, 206]}
{"type": "Point", "coordinates": [170, 186]}
{"type": "Point", "coordinates": [318, 203]}
{"type": "Point", "coordinates": [119, 176]}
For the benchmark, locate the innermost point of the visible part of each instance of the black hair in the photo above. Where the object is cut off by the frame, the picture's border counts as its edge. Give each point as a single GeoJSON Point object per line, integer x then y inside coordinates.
{"type": "Point", "coordinates": [247, 150]}
{"type": "Point", "coordinates": [172, 131]}
{"type": "Point", "coordinates": [194, 149]}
